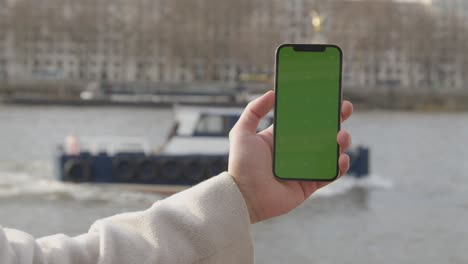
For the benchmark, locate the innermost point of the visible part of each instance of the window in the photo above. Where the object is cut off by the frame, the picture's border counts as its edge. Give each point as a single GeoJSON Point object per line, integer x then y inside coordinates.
{"type": "Point", "coordinates": [210, 125]}
{"type": "Point", "coordinates": [161, 72]}
{"type": "Point", "coordinates": [216, 125]}
{"type": "Point", "coordinates": [264, 123]}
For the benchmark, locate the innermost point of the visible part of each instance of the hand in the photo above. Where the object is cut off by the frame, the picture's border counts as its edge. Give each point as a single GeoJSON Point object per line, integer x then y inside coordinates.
{"type": "Point", "coordinates": [251, 164]}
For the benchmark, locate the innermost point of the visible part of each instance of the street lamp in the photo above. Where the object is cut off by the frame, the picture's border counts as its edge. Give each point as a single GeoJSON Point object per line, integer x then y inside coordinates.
{"type": "Point", "coordinates": [317, 20]}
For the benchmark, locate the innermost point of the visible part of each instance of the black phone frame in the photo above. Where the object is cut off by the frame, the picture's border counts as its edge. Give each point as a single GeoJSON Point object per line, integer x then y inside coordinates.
{"type": "Point", "coordinates": [308, 48]}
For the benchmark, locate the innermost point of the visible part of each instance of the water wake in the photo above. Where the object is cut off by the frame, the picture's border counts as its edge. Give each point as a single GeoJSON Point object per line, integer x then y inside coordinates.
{"type": "Point", "coordinates": [345, 184]}
{"type": "Point", "coordinates": [36, 181]}
{"type": "Point", "coordinates": [16, 181]}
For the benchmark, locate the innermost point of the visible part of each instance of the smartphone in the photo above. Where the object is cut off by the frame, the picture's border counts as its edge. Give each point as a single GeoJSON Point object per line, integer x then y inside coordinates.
{"type": "Point", "coordinates": [307, 112]}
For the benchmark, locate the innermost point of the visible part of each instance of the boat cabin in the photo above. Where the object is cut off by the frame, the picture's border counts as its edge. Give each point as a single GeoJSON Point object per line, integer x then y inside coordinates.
{"type": "Point", "coordinates": [204, 130]}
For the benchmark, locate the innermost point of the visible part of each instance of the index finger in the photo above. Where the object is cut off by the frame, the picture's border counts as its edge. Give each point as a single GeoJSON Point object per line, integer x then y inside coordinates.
{"type": "Point", "coordinates": [254, 112]}
{"type": "Point", "coordinates": [346, 110]}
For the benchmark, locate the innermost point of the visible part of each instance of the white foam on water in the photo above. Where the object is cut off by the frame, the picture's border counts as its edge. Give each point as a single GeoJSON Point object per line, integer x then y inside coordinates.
{"type": "Point", "coordinates": [35, 180]}
{"type": "Point", "coordinates": [24, 184]}
{"type": "Point", "coordinates": [345, 184]}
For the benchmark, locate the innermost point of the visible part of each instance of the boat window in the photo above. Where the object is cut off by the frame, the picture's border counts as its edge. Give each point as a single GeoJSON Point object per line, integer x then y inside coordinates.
{"type": "Point", "coordinates": [215, 125]}
{"type": "Point", "coordinates": [264, 123]}
{"type": "Point", "coordinates": [211, 125]}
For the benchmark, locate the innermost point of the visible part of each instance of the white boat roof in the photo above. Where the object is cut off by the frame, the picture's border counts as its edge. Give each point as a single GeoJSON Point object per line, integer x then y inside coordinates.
{"type": "Point", "coordinates": [188, 116]}
{"type": "Point", "coordinates": [236, 111]}
{"type": "Point", "coordinates": [209, 110]}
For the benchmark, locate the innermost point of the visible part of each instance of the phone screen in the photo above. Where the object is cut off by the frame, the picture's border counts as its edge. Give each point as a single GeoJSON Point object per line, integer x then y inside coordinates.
{"type": "Point", "coordinates": [307, 112]}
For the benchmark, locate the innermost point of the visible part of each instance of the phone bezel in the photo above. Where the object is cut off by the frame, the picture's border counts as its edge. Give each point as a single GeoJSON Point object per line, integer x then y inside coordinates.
{"type": "Point", "coordinates": [308, 48]}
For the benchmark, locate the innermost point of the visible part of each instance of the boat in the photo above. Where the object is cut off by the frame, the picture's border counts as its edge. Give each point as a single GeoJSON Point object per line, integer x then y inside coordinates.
{"type": "Point", "coordinates": [196, 149]}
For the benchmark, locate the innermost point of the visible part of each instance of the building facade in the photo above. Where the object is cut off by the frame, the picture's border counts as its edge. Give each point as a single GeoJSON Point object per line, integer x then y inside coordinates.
{"type": "Point", "coordinates": [143, 41]}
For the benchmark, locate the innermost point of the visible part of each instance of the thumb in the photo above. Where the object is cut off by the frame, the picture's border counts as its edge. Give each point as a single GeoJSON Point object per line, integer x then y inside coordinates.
{"type": "Point", "coordinates": [254, 112]}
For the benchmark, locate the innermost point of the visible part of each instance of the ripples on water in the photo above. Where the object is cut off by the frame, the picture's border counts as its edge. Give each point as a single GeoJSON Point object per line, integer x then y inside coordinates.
{"type": "Point", "coordinates": [412, 210]}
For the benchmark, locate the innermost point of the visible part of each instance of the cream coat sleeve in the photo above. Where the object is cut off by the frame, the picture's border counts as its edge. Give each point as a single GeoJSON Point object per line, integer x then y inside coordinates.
{"type": "Point", "coordinates": [208, 223]}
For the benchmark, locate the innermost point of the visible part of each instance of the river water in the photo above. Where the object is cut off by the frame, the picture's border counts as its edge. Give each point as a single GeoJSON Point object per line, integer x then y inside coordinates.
{"type": "Point", "coordinates": [418, 216]}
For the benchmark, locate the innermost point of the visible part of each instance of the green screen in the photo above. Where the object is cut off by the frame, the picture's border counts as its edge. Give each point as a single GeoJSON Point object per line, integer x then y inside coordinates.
{"type": "Point", "coordinates": [307, 112]}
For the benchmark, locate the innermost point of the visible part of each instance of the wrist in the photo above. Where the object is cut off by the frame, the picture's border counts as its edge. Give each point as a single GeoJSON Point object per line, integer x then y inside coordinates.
{"type": "Point", "coordinates": [247, 199]}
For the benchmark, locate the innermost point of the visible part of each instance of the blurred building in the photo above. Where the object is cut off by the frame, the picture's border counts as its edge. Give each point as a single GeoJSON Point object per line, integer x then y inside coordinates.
{"type": "Point", "coordinates": [378, 61]}
{"type": "Point", "coordinates": [4, 39]}
{"type": "Point", "coordinates": [60, 48]}
{"type": "Point", "coordinates": [113, 41]}
{"type": "Point", "coordinates": [450, 32]}
{"type": "Point", "coordinates": [451, 6]}
{"type": "Point", "coordinates": [409, 45]}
